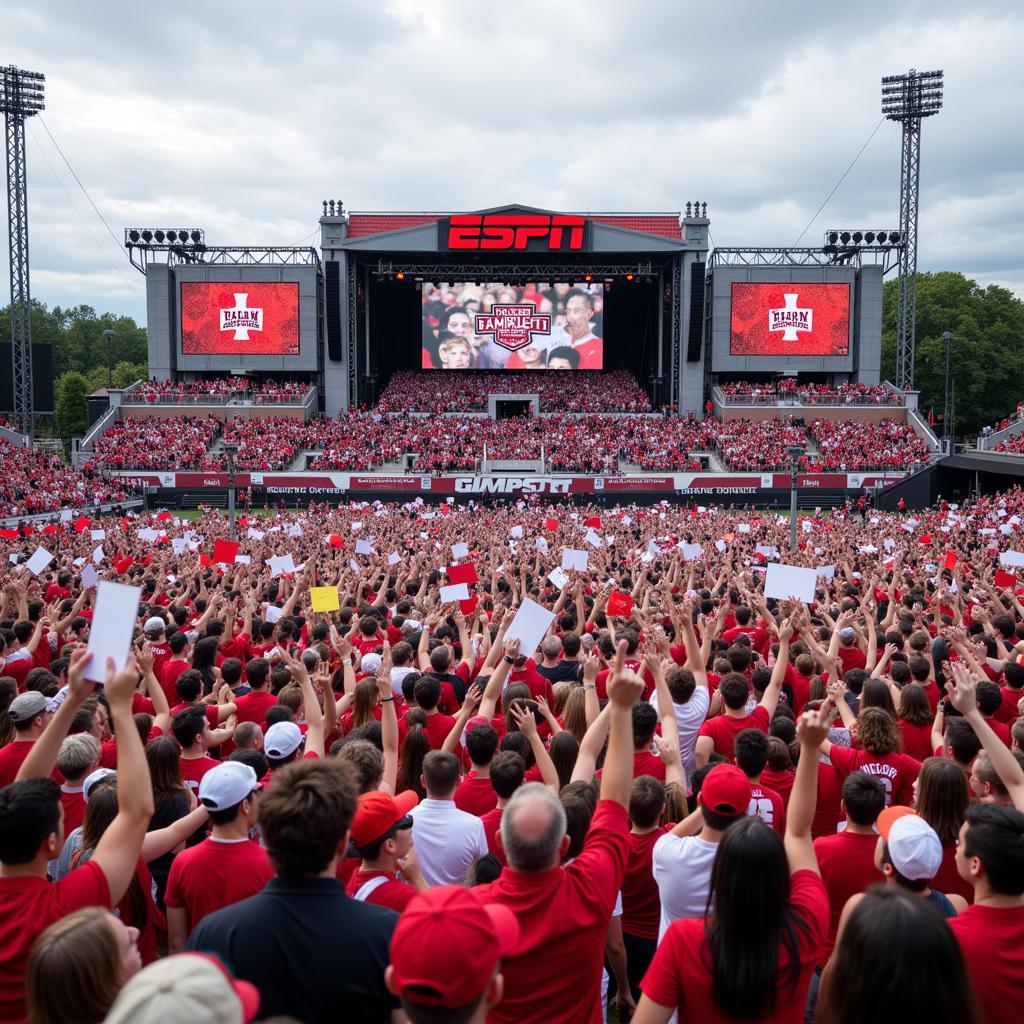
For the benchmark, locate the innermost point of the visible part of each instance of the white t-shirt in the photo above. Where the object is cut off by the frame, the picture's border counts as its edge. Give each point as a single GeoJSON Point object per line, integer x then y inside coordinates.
{"type": "Point", "coordinates": [689, 718]}
{"type": "Point", "coordinates": [446, 840]}
{"type": "Point", "coordinates": [682, 868]}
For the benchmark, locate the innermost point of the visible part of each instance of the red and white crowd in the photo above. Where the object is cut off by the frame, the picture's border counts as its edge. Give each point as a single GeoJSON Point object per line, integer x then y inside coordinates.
{"type": "Point", "coordinates": [567, 391]}
{"type": "Point", "coordinates": [318, 790]}
{"type": "Point", "coordinates": [847, 445]}
{"type": "Point", "coordinates": [34, 482]}
{"type": "Point", "coordinates": [218, 389]}
{"type": "Point", "coordinates": [174, 442]}
{"type": "Point", "coordinates": [852, 393]}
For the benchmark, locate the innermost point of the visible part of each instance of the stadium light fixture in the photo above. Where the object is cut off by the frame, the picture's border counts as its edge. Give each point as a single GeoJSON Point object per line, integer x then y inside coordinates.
{"type": "Point", "coordinates": [913, 95]}
{"type": "Point", "coordinates": [629, 277]}
{"type": "Point", "coordinates": [588, 278]}
{"type": "Point", "coordinates": [400, 276]}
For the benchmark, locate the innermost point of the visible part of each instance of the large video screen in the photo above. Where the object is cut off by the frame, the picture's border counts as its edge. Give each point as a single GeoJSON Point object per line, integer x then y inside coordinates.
{"type": "Point", "coordinates": [540, 326]}
{"type": "Point", "coordinates": [791, 319]}
{"type": "Point", "coordinates": [239, 318]}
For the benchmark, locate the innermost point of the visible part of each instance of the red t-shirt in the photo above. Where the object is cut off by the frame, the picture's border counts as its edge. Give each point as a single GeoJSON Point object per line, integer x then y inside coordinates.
{"type": "Point", "coordinates": [475, 795]}
{"type": "Point", "coordinates": [74, 809]}
{"type": "Point", "coordinates": [896, 772]}
{"type": "Point", "coordinates": [641, 904]}
{"type": "Point", "coordinates": [194, 768]}
{"type": "Point", "coordinates": [758, 637]}
{"type": "Point", "coordinates": [392, 893]}
{"type": "Point", "coordinates": [917, 740]}
{"type": "Point", "coordinates": [948, 879]}
{"type": "Point", "coordinates": [724, 729]}
{"type": "Point", "coordinates": [563, 918]}
{"type": "Point", "coordinates": [781, 782]}
{"type": "Point", "coordinates": [991, 939]}
{"type": "Point", "coordinates": [212, 714]}
{"type": "Point", "coordinates": [215, 874]}
{"type": "Point", "coordinates": [847, 862]}
{"type": "Point", "coordinates": [680, 973]}
{"type": "Point", "coordinates": [30, 905]}
{"type": "Point", "coordinates": [253, 706]}
{"type": "Point", "coordinates": [12, 757]}
{"type": "Point", "coordinates": [169, 678]}
{"type": "Point", "coordinates": [828, 811]}
{"type": "Point", "coordinates": [491, 822]}
{"type": "Point", "coordinates": [851, 657]}
{"type": "Point", "coordinates": [645, 763]}
{"type": "Point", "coordinates": [1008, 711]}
{"type": "Point", "coordinates": [768, 806]}
{"type": "Point", "coordinates": [437, 728]}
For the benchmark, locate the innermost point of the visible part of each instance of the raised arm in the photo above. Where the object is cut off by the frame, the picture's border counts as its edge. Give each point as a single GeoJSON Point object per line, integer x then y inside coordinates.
{"type": "Point", "coordinates": [118, 850]}
{"type": "Point", "coordinates": [310, 705]}
{"type": "Point", "coordinates": [624, 690]}
{"type": "Point", "coordinates": [963, 696]}
{"type": "Point", "coordinates": [811, 732]}
{"type": "Point", "coordinates": [492, 691]}
{"type": "Point", "coordinates": [770, 700]}
{"type": "Point", "coordinates": [528, 727]}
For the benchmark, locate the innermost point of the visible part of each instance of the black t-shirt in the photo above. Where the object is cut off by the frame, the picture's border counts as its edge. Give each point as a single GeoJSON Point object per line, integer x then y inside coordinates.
{"type": "Point", "coordinates": [167, 813]}
{"type": "Point", "coordinates": [560, 673]}
{"type": "Point", "coordinates": [314, 953]}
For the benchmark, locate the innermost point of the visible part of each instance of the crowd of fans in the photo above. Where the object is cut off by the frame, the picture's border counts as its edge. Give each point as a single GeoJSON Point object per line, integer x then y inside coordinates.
{"type": "Point", "coordinates": [810, 394]}
{"type": "Point", "coordinates": [567, 391]}
{"type": "Point", "coordinates": [680, 795]}
{"type": "Point", "coordinates": [33, 482]}
{"type": "Point", "coordinates": [171, 443]}
{"type": "Point", "coordinates": [583, 443]}
{"type": "Point", "coordinates": [1012, 446]}
{"type": "Point", "coordinates": [218, 389]}
{"type": "Point", "coordinates": [847, 445]}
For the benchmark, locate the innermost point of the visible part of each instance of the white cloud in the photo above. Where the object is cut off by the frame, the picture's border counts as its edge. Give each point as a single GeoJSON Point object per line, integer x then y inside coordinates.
{"type": "Point", "coordinates": [240, 118]}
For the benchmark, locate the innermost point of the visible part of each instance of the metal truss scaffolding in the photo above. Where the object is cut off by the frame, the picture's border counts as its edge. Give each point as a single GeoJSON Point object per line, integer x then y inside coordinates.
{"type": "Point", "coordinates": [21, 96]}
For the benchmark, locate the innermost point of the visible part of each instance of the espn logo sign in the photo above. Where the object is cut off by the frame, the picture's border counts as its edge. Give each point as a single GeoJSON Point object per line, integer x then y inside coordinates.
{"type": "Point", "coordinates": [522, 232]}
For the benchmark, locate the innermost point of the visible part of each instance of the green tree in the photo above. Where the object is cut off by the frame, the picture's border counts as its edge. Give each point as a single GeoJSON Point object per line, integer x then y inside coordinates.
{"type": "Point", "coordinates": [72, 390]}
{"type": "Point", "coordinates": [987, 355]}
{"type": "Point", "coordinates": [126, 373]}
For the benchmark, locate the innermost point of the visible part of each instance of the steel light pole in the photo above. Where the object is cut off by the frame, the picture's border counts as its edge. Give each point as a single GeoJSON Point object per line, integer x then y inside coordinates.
{"type": "Point", "coordinates": [231, 450]}
{"type": "Point", "coordinates": [109, 335]}
{"type": "Point", "coordinates": [794, 451]}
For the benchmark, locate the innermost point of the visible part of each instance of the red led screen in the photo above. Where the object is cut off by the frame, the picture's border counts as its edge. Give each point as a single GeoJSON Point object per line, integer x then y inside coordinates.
{"type": "Point", "coordinates": [791, 319]}
{"type": "Point", "coordinates": [239, 318]}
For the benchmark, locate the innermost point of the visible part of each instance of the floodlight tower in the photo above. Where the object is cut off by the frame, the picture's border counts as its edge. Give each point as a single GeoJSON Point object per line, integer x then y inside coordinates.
{"type": "Point", "coordinates": [909, 98]}
{"type": "Point", "coordinates": [21, 96]}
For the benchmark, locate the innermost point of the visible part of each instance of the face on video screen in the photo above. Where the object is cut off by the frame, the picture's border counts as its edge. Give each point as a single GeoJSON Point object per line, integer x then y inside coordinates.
{"type": "Point", "coordinates": [538, 326]}
{"type": "Point", "coordinates": [239, 318]}
{"type": "Point", "coordinates": [790, 319]}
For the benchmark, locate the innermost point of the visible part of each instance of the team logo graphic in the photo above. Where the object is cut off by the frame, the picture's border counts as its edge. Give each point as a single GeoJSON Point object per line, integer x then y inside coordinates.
{"type": "Point", "coordinates": [513, 327]}
{"type": "Point", "coordinates": [240, 319]}
{"type": "Point", "coordinates": [790, 319]}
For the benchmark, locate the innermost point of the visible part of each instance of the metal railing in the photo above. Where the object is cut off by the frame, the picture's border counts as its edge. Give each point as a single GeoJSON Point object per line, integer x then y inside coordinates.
{"type": "Point", "coordinates": [809, 399]}
{"type": "Point", "coordinates": [227, 396]}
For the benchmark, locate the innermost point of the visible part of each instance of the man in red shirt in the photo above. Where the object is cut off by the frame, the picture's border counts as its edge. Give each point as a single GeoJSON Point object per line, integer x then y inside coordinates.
{"type": "Point", "coordinates": [508, 772]}
{"type": "Point", "coordinates": [381, 835]}
{"type": "Point", "coordinates": [847, 859]}
{"type": "Point", "coordinates": [426, 693]}
{"type": "Point", "coordinates": [30, 717]}
{"type": "Point", "coordinates": [227, 866]}
{"type": "Point", "coordinates": [32, 833]}
{"type": "Point", "coordinates": [751, 757]}
{"type": "Point", "coordinates": [191, 729]}
{"type": "Point", "coordinates": [475, 794]}
{"type": "Point", "coordinates": [563, 913]}
{"type": "Point", "coordinates": [744, 627]}
{"type": "Point", "coordinates": [177, 663]}
{"type": "Point", "coordinates": [463, 983]}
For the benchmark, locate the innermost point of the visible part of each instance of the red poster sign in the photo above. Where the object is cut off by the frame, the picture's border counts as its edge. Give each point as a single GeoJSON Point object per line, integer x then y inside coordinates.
{"type": "Point", "coordinates": [239, 318]}
{"type": "Point", "coordinates": [790, 319]}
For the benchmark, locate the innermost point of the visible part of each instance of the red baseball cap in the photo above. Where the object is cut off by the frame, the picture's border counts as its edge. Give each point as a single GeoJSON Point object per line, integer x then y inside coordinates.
{"type": "Point", "coordinates": [379, 814]}
{"type": "Point", "coordinates": [726, 791]}
{"type": "Point", "coordinates": [473, 936]}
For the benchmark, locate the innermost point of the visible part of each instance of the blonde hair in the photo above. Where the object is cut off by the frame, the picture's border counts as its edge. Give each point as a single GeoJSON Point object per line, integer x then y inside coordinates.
{"type": "Point", "coordinates": [74, 972]}
{"type": "Point", "coordinates": [446, 346]}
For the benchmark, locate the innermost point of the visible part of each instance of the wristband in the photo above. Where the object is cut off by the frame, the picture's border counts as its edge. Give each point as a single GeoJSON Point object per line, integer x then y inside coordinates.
{"type": "Point", "coordinates": [590, 686]}
{"type": "Point", "coordinates": [508, 660]}
{"type": "Point", "coordinates": [384, 700]}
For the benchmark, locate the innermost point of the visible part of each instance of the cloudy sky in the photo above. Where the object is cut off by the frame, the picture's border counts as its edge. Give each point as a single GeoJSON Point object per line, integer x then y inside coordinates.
{"type": "Point", "coordinates": [241, 117]}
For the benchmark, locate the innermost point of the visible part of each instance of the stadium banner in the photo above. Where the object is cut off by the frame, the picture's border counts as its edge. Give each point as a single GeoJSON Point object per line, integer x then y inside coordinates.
{"type": "Point", "coordinates": [239, 318]}
{"type": "Point", "coordinates": [790, 319]}
{"type": "Point", "coordinates": [681, 483]}
{"type": "Point", "coordinates": [494, 326]}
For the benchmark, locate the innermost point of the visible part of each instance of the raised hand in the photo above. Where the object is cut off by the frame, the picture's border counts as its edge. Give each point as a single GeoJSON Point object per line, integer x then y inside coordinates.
{"type": "Point", "coordinates": [625, 688]}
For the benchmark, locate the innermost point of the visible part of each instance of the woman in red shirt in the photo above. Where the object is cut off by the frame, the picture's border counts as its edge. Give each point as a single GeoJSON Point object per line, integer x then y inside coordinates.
{"type": "Point", "coordinates": [720, 968]}
{"type": "Point", "coordinates": [942, 797]}
{"type": "Point", "coordinates": [915, 721]}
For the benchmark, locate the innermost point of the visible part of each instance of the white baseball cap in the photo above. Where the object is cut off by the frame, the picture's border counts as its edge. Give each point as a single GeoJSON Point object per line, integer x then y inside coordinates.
{"type": "Point", "coordinates": [92, 779]}
{"type": "Point", "coordinates": [370, 662]}
{"type": "Point", "coordinates": [281, 740]}
{"type": "Point", "coordinates": [915, 850]}
{"type": "Point", "coordinates": [154, 624]}
{"type": "Point", "coordinates": [227, 785]}
{"type": "Point", "coordinates": [187, 988]}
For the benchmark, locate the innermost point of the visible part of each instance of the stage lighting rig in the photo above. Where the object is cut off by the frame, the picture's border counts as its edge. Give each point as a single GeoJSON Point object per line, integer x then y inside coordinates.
{"type": "Point", "coordinates": [859, 238]}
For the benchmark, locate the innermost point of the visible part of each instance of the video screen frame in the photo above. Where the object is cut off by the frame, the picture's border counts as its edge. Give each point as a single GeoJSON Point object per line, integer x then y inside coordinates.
{"type": "Point", "coordinates": [783, 311]}
{"type": "Point", "coordinates": [276, 332]}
